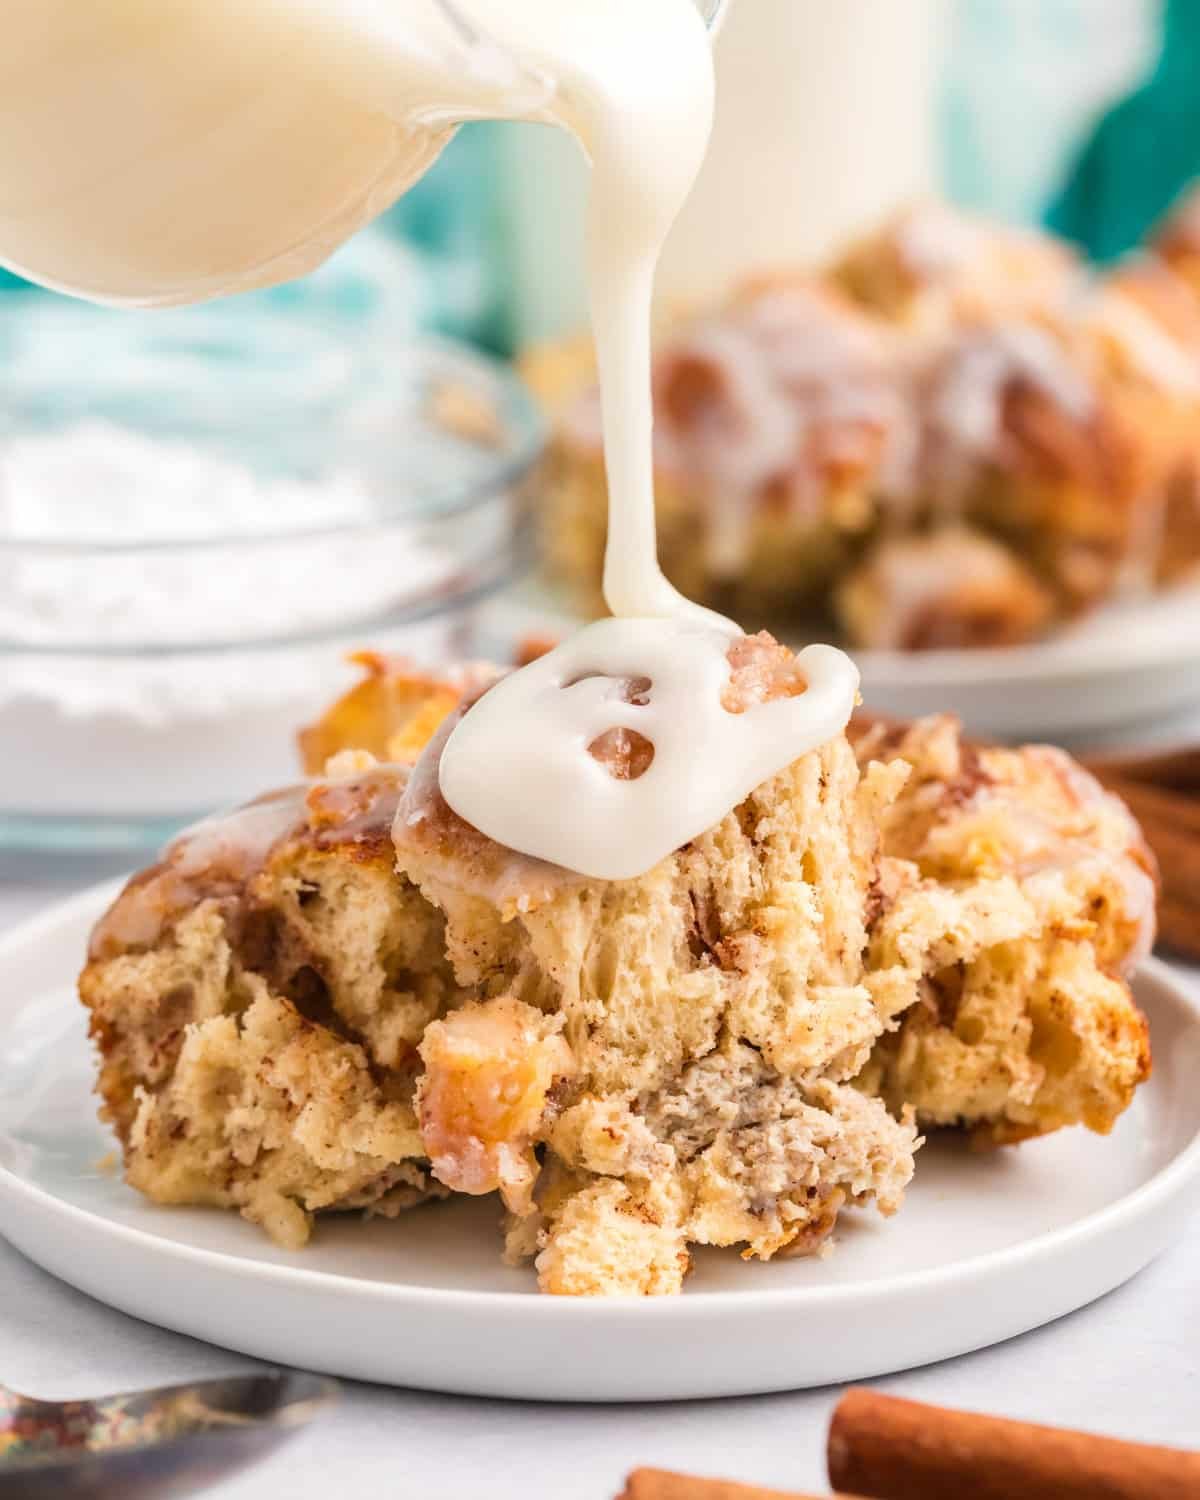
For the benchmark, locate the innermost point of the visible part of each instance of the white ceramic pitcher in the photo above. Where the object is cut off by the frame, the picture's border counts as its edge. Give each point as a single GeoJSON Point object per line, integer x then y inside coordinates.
{"type": "Point", "coordinates": [165, 151]}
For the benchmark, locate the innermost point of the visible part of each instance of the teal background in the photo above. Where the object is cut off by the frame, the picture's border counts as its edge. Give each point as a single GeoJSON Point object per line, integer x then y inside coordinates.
{"type": "Point", "coordinates": [1144, 150]}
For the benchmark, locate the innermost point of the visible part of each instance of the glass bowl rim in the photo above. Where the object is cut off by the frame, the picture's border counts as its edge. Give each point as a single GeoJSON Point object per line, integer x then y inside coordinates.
{"type": "Point", "coordinates": [468, 584]}
{"type": "Point", "coordinates": [522, 417]}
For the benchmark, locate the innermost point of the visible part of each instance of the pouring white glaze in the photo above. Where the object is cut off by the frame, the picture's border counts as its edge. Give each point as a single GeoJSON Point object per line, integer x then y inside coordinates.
{"type": "Point", "coordinates": [518, 766]}
{"type": "Point", "coordinates": [524, 768]}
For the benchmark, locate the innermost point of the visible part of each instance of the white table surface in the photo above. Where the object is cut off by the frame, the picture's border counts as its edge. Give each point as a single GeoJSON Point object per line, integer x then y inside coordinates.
{"type": "Point", "coordinates": [1130, 1365]}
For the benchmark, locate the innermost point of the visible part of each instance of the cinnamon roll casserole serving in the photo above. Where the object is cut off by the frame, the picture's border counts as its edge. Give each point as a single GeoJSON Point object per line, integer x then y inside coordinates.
{"type": "Point", "coordinates": [342, 998]}
{"type": "Point", "coordinates": [953, 435]}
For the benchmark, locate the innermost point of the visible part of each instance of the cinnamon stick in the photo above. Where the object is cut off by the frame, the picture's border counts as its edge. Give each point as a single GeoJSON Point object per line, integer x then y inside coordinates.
{"type": "Point", "coordinates": [1170, 821]}
{"type": "Point", "coordinates": [889, 1449]}
{"type": "Point", "coordinates": [1178, 768]}
{"type": "Point", "coordinates": [658, 1484]}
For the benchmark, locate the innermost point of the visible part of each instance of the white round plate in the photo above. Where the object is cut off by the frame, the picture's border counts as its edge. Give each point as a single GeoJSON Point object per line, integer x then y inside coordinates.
{"type": "Point", "coordinates": [987, 1246]}
{"type": "Point", "coordinates": [1125, 666]}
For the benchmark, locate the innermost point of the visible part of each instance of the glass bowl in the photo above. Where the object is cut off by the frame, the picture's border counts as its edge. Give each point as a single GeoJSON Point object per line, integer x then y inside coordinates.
{"type": "Point", "coordinates": [201, 514]}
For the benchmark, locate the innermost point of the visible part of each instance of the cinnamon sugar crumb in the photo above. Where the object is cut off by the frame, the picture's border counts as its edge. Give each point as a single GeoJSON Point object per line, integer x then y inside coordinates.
{"type": "Point", "coordinates": [760, 671]}
{"type": "Point", "coordinates": [347, 800]}
{"type": "Point", "coordinates": [349, 763]}
{"type": "Point", "coordinates": [624, 753]}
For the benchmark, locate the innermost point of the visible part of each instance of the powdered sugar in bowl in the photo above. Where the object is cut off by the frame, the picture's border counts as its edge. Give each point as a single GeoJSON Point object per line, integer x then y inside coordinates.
{"type": "Point", "coordinates": [198, 519]}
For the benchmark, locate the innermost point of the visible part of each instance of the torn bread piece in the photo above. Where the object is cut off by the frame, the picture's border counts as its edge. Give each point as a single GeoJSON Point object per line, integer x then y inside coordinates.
{"type": "Point", "coordinates": [1016, 895]}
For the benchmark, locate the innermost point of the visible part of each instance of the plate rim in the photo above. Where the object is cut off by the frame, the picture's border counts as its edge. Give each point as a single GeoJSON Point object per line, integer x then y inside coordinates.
{"type": "Point", "coordinates": [1028, 663]}
{"type": "Point", "coordinates": [1148, 1197]}
{"type": "Point", "coordinates": [1057, 655]}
